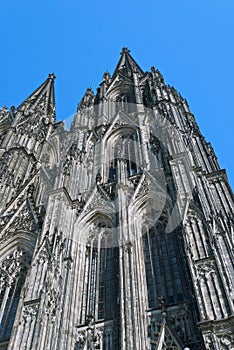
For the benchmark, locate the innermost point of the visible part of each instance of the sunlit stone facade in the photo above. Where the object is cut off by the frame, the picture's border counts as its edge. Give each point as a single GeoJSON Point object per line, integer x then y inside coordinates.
{"type": "Point", "coordinates": [117, 233]}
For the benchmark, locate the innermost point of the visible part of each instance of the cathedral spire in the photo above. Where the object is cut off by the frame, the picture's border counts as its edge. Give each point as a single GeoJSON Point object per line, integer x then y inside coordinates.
{"type": "Point", "coordinates": [128, 217]}
{"type": "Point", "coordinates": [127, 65]}
{"type": "Point", "coordinates": [41, 100]}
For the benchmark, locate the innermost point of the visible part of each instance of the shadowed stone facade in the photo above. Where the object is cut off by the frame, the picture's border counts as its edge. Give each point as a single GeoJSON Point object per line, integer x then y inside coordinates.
{"type": "Point", "coordinates": [116, 234]}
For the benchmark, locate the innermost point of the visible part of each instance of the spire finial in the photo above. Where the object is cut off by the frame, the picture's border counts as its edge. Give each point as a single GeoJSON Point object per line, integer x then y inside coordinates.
{"type": "Point", "coordinates": [125, 50]}
{"type": "Point", "coordinates": [52, 76]}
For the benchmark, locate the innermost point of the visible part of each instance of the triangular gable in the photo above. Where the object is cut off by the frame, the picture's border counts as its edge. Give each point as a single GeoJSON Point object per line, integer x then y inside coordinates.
{"type": "Point", "coordinates": [99, 200]}
{"type": "Point", "coordinates": [119, 121]}
{"type": "Point", "coordinates": [23, 219]}
{"type": "Point", "coordinates": [167, 339]}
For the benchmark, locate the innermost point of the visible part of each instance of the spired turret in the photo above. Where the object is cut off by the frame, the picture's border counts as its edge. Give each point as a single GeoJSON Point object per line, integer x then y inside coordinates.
{"type": "Point", "coordinates": [32, 121]}
{"type": "Point", "coordinates": [128, 235]}
{"type": "Point", "coordinates": [25, 130]}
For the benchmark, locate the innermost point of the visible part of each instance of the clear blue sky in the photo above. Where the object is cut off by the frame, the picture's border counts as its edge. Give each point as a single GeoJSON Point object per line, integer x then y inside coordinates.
{"type": "Point", "coordinates": [189, 41]}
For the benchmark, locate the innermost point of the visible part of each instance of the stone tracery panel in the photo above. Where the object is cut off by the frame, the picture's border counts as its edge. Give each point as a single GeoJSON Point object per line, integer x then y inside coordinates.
{"type": "Point", "coordinates": [13, 271]}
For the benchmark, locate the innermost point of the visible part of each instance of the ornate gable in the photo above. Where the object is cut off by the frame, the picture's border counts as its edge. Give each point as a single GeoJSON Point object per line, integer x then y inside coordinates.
{"type": "Point", "coordinates": [23, 216]}
{"type": "Point", "coordinates": [166, 340]}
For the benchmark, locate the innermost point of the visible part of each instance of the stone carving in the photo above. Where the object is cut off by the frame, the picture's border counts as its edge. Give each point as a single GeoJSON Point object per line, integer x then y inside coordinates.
{"type": "Point", "coordinates": [80, 204]}
{"type": "Point", "coordinates": [54, 253]}
{"type": "Point", "coordinates": [179, 322]}
{"type": "Point", "coordinates": [36, 127]}
{"type": "Point", "coordinates": [87, 100]}
{"type": "Point", "coordinates": [30, 312]}
{"type": "Point", "coordinates": [81, 341]}
{"type": "Point", "coordinates": [18, 217]}
{"type": "Point", "coordinates": [91, 338]}
{"type": "Point", "coordinates": [67, 165]}
{"type": "Point", "coordinates": [12, 267]}
{"type": "Point", "coordinates": [106, 77]}
{"type": "Point", "coordinates": [206, 268]}
{"type": "Point", "coordinates": [23, 221]}
{"type": "Point", "coordinates": [74, 154]}
{"type": "Point", "coordinates": [209, 343]}
{"type": "Point", "coordinates": [52, 301]}
{"type": "Point", "coordinates": [169, 343]}
{"type": "Point", "coordinates": [144, 188]}
{"type": "Point", "coordinates": [43, 255]}
{"type": "Point", "coordinates": [226, 341]}
{"type": "Point", "coordinates": [11, 181]}
{"type": "Point", "coordinates": [97, 201]}
{"type": "Point", "coordinates": [3, 112]}
{"type": "Point", "coordinates": [4, 161]}
{"type": "Point", "coordinates": [3, 279]}
{"type": "Point", "coordinates": [155, 144]}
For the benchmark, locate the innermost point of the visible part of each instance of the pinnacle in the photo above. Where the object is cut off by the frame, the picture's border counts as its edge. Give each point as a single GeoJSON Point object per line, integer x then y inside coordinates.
{"type": "Point", "coordinates": [125, 50]}
{"type": "Point", "coordinates": [127, 64]}
{"type": "Point", "coordinates": [52, 76]}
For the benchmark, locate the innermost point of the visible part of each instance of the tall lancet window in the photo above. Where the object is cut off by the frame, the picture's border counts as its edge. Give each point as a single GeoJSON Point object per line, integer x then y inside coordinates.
{"type": "Point", "coordinates": [125, 147]}
{"type": "Point", "coordinates": [92, 280]}
{"type": "Point", "coordinates": [162, 267]}
{"type": "Point", "coordinates": [122, 103]}
{"type": "Point", "coordinates": [12, 276]}
{"type": "Point", "coordinates": [100, 280]}
{"type": "Point", "coordinates": [108, 283]}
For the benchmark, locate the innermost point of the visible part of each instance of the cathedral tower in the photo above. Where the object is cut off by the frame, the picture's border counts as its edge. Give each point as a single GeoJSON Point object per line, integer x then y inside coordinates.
{"type": "Point", "coordinates": [117, 233]}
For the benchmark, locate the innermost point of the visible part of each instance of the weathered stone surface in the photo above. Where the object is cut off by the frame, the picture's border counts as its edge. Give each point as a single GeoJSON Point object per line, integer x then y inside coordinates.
{"type": "Point", "coordinates": [117, 234]}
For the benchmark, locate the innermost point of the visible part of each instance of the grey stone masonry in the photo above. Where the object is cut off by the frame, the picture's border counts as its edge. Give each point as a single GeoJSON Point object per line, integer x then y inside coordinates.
{"type": "Point", "coordinates": [118, 233]}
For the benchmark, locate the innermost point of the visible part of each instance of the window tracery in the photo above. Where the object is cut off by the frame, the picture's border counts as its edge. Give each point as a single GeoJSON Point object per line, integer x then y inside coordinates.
{"type": "Point", "coordinates": [126, 149]}
{"type": "Point", "coordinates": [12, 276]}
{"type": "Point", "coordinates": [100, 269]}
{"type": "Point", "coordinates": [122, 103]}
{"type": "Point", "coordinates": [161, 264]}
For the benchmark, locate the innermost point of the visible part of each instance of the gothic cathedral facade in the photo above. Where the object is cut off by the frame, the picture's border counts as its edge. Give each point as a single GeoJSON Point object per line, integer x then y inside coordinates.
{"type": "Point", "coordinates": [118, 233]}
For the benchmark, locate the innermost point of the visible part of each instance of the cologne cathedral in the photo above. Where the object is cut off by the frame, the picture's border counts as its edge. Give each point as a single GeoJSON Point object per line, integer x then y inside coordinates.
{"type": "Point", "coordinates": [116, 234]}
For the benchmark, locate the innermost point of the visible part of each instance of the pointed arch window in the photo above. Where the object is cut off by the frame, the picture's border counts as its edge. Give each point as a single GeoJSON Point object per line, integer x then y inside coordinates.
{"type": "Point", "coordinates": [12, 276]}
{"type": "Point", "coordinates": [107, 282]}
{"type": "Point", "coordinates": [92, 280]}
{"type": "Point", "coordinates": [101, 283]}
{"type": "Point", "coordinates": [122, 103]}
{"type": "Point", "coordinates": [126, 148]}
{"type": "Point", "coordinates": [162, 268]}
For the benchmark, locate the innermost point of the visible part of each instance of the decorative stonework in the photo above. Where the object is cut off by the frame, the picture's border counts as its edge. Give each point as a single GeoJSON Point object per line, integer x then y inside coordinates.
{"type": "Point", "coordinates": [13, 267]}
{"type": "Point", "coordinates": [128, 219]}
{"type": "Point", "coordinates": [87, 100]}
{"type": "Point", "coordinates": [226, 340]}
{"type": "Point", "coordinates": [30, 312]}
{"type": "Point", "coordinates": [206, 268]}
{"type": "Point", "coordinates": [91, 337]}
